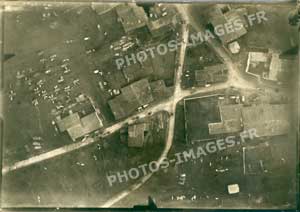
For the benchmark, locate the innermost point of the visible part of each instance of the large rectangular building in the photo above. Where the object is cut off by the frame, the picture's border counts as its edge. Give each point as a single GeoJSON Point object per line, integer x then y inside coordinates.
{"type": "Point", "coordinates": [131, 16]}
{"type": "Point", "coordinates": [136, 134]}
{"type": "Point", "coordinates": [78, 127]}
{"type": "Point", "coordinates": [231, 120]}
{"type": "Point", "coordinates": [131, 98]}
{"type": "Point", "coordinates": [266, 119]}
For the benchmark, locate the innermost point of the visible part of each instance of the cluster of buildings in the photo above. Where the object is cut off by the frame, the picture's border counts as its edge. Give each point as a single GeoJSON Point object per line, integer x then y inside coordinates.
{"type": "Point", "coordinates": [134, 19]}
{"type": "Point", "coordinates": [270, 65]}
{"type": "Point", "coordinates": [228, 24]}
{"type": "Point", "coordinates": [267, 119]}
{"type": "Point", "coordinates": [140, 134]}
{"type": "Point", "coordinates": [270, 122]}
{"type": "Point", "coordinates": [136, 96]}
{"type": "Point", "coordinates": [78, 124]}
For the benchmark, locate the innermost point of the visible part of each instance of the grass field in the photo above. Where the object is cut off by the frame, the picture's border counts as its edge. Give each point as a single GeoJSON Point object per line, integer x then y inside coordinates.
{"type": "Point", "coordinates": [78, 179]}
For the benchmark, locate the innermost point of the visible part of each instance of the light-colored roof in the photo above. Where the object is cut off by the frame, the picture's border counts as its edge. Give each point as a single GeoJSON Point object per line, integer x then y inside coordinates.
{"type": "Point", "coordinates": [267, 120]}
{"type": "Point", "coordinates": [88, 124]}
{"type": "Point", "coordinates": [231, 120]}
{"type": "Point", "coordinates": [71, 120]}
{"type": "Point", "coordinates": [258, 57]}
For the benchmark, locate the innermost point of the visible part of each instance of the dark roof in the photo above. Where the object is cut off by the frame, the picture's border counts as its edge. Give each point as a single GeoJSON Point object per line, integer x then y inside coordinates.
{"type": "Point", "coordinates": [211, 74]}
{"type": "Point", "coordinates": [257, 159]}
{"type": "Point", "coordinates": [140, 91]}
{"type": "Point", "coordinates": [136, 134]}
{"type": "Point", "coordinates": [159, 89]}
{"type": "Point", "coordinates": [132, 96]}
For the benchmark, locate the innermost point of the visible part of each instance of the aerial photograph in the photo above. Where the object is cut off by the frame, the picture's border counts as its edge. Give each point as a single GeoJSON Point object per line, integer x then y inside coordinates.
{"type": "Point", "coordinates": [149, 105]}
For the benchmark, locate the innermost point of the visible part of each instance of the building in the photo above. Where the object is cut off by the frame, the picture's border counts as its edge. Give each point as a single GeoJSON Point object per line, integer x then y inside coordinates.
{"type": "Point", "coordinates": [160, 26]}
{"type": "Point", "coordinates": [132, 97]}
{"type": "Point", "coordinates": [280, 67]}
{"type": "Point", "coordinates": [138, 70]}
{"type": "Point", "coordinates": [89, 123]}
{"type": "Point", "coordinates": [137, 134]}
{"type": "Point", "coordinates": [159, 89]}
{"type": "Point", "coordinates": [78, 127]}
{"type": "Point", "coordinates": [231, 120]}
{"type": "Point", "coordinates": [258, 63]}
{"type": "Point", "coordinates": [68, 121]}
{"type": "Point", "coordinates": [132, 17]}
{"type": "Point", "coordinates": [270, 66]}
{"type": "Point", "coordinates": [267, 119]}
{"type": "Point", "coordinates": [233, 188]}
{"type": "Point", "coordinates": [211, 74]}
{"type": "Point", "coordinates": [220, 16]}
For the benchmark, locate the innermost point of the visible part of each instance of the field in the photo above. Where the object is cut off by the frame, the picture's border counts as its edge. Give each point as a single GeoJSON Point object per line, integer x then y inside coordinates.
{"type": "Point", "coordinates": [78, 179]}
{"type": "Point", "coordinates": [55, 45]}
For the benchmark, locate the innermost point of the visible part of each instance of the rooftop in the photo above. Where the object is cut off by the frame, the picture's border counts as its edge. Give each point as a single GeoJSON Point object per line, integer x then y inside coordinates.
{"type": "Point", "coordinates": [211, 74]}
{"type": "Point", "coordinates": [136, 134]}
{"type": "Point", "coordinates": [131, 16]}
{"type": "Point", "coordinates": [88, 124]}
{"type": "Point", "coordinates": [159, 89]}
{"type": "Point", "coordinates": [231, 120]}
{"type": "Point", "coordinates": [132, 96]}
{"type": "Point", "coordinates": [258, 63]}
{"type": "Point", "coordinates": [267, 119]}
{"type": "Point", "coordinates": [219, 17]}
{"type": "Point", "coordinates": [67, 122]}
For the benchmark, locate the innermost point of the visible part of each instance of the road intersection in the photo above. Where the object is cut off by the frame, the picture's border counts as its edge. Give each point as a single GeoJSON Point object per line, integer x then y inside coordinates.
{"type": "Point", "coordinates": [235, 79]}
